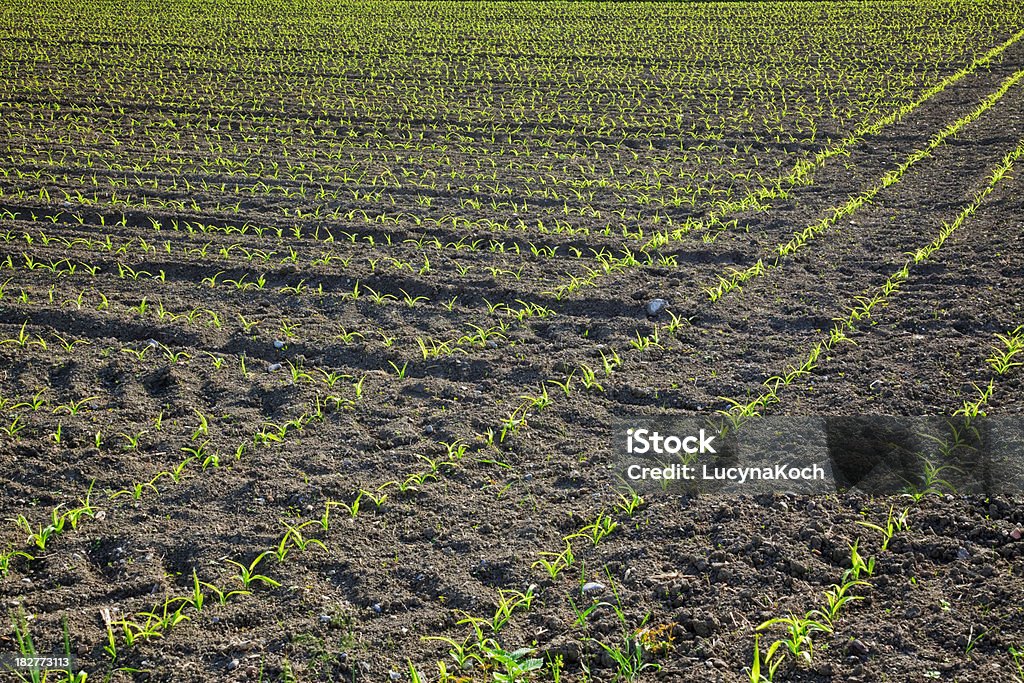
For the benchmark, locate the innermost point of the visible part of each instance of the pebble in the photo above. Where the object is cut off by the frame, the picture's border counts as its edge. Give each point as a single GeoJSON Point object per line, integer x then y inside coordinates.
{"type": "Point", "coordinates": [491, 344]}
{"type": "Point", "coordinates": [278, 344]}
{"type": "Point", "coordinates": [273, 367]}
{"type": "Point", "coordinates": [655, 306]}
{"type": "Point", "coordinates": [233, 664]}
{"type": "Point", "coordinates": [1016, 534]}
{"type": "Point", "coordinates": [429, 429]}
{"type": "Point", "coordinates": [858, 648]}
{"type": "Point", "coordinates": [962, 554]}
{"type": "Point", "coordinates": [592, 587]}
{"type": "Point", "coordinates": [377, 608]}
{"type": "Point", "coordinates": [394, 675]}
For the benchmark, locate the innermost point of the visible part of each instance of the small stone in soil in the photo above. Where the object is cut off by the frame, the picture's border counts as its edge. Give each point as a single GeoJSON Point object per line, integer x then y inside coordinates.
{"type": "Point", "coordinates": [858, 648]}
{"type": "Point", "coordinates": [592, 587]}
{"type": "Point", "coordinates": [233, 664]}
{"type": "Point", "coordinates": [273, 367]}
{"type": "Point", "coordinates": [278, 344]}
{"type": "Point", "coordinates": [377, 608]}
{"type": "Point", "coordinates": [394, 675]}
{"type": "Point", "coordinates": [655, 306]}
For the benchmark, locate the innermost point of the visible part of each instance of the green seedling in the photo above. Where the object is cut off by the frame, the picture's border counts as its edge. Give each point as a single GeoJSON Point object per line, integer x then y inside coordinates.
{"type": "Point", "coordinates": [800, 631]}
{"type": "Point", "coordinates": [894, 523]}
{"type": "Point", "coordinates": [589, 378]}
{"type": "Point", "coordinates": [772, 660]}
{"type": "Point", "coordinates": [6, 558]}
{"type": "Point", "coordinates": [597, 530]}
{"type": "Point", "coordinates": [1017, 653]}
{"type": "Point", "coordinates": [973, 640]}
{"type": "Point", "coordinates": [247, 576]}
{"type": "Point", "coordinates": [510, 667]}
{"type": "Point", "coordinates": [222, 596]}
{"type": "Point", "coordinates": [858, 565]}
{"type": "Point", "coordinates": [399, 371]}
{"type": "Point", "coordinates": [295, 537]}
{"type": "Point", "coordinates": [630, 502]}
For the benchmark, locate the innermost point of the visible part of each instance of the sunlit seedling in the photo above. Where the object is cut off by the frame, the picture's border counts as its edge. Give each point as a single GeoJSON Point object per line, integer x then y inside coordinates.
{"type": "Point", "coordinates": [247, 575]}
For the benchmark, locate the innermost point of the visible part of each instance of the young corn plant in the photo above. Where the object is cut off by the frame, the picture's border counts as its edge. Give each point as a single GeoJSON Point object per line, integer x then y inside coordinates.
{"type": "Point", "coordinates": [1017, 653]}
{"type": "Point", "coordinates": [597, 530]}
{"type": "Point", "coordinates": [24, 339]}
{"type": "Point", "coordinates": [294, 534]}
{"type": "Point", "coordinates": [1004, 357]}
{"type": "Point", "coordinates": [629, 502]}
{"type": "Point", "coordinates": [799, 640]}
{"type": "Point", "coordinates": [8, 557]}
{"type": "Point", "coordinates": [508, 602]}
{"type": "Point", "coordinates": [931, 481]}
{"type": "Point", "coordinates": [610, 362]}
{"type": "Point", "coordinates": [557, 563]}
{"type": "Point", "coordinates": [773, 658]}
{"type": "Point", "coordinates": [247, 575]}
{"type": "Point", "coordinates": [836, 597]}
{"type": "Point", "coordinates": [26, 647]}
{"type": "Point", "coordinates": [894, 522]}
{"type": "Point", "coordinates": [974, 409]}
{"type": "Point", "coordinates": [589, 378]}
{"type": "Point", "coordinates": [858, 565]}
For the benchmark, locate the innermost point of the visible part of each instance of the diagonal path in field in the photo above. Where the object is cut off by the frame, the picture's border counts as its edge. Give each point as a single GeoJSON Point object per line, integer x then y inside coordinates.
{"type": "Point", "coordinates": [861, 306]}
{"type": "Point", "coordinates": [804, 172]}
{"type": "Point", "coordinates": [800, 240]}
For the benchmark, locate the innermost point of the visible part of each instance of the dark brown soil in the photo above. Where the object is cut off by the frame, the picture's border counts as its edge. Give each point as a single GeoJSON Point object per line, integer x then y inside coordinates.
{"type": "Point", "coordinates": [109, 381]}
